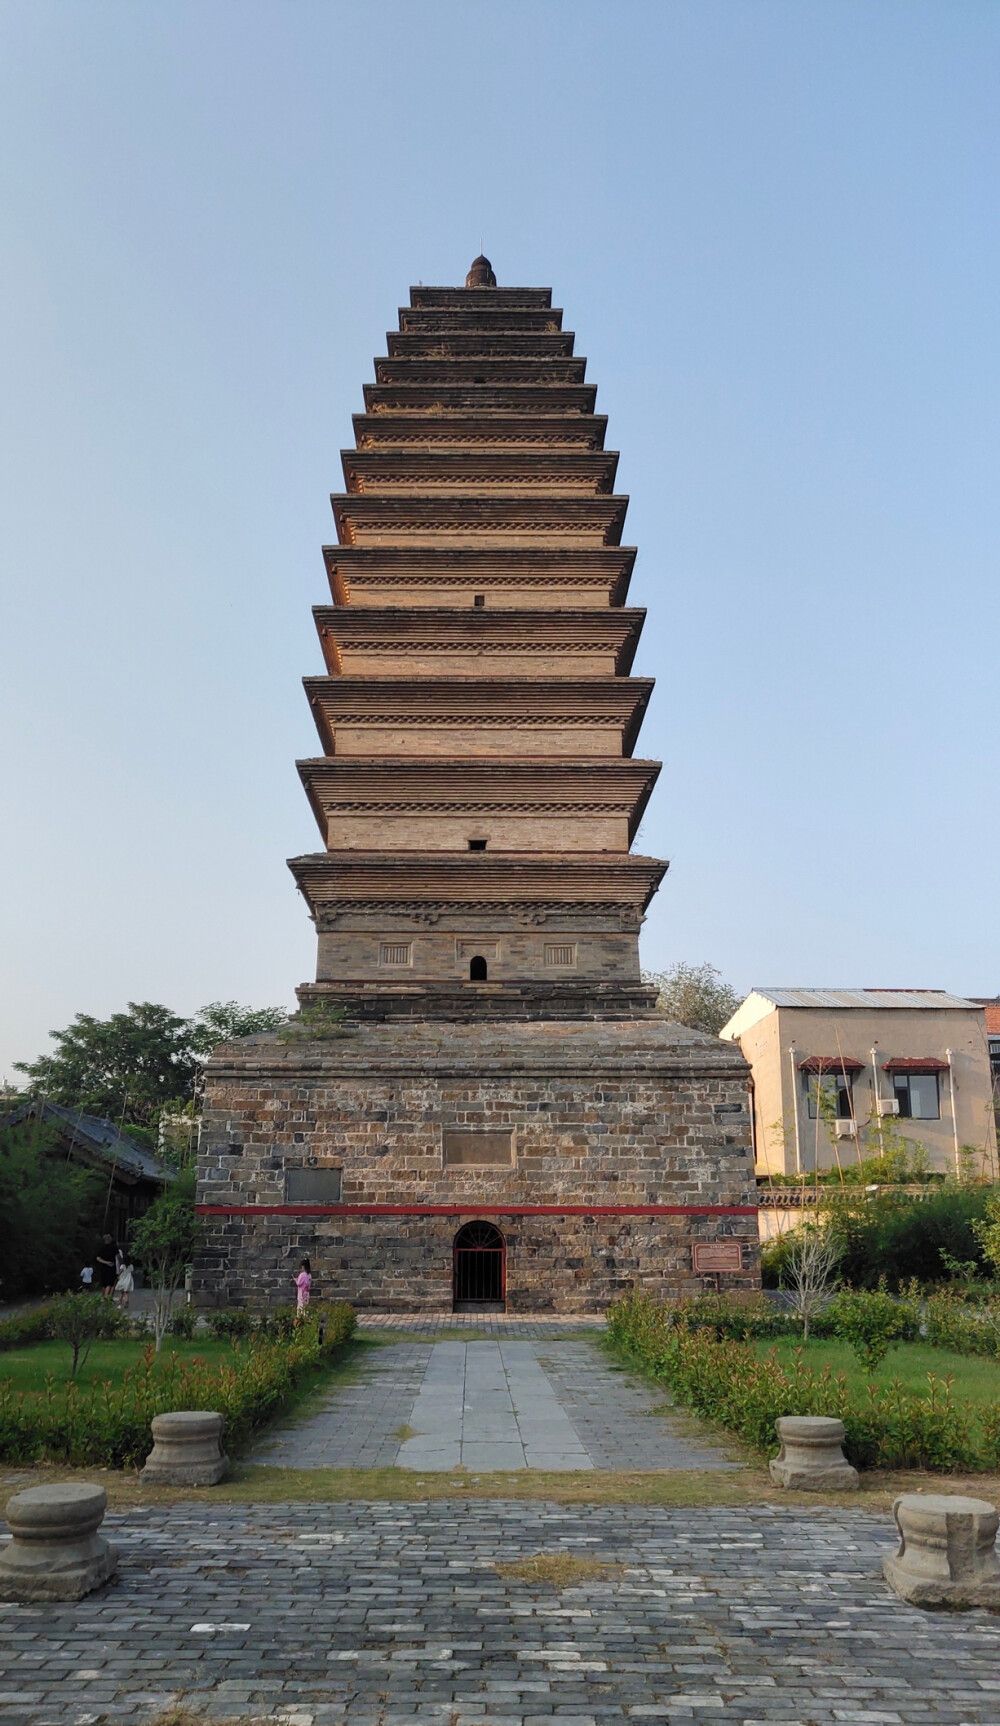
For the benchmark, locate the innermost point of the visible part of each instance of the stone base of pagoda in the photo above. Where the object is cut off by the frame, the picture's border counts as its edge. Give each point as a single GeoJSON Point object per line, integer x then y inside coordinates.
{"type": "Point", "coordinates": [482, 1001]}
{"type": "Point", "coordinates": [599, 1154]}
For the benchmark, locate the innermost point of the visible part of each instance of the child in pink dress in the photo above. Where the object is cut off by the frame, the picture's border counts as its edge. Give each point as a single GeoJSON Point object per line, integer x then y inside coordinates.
{"type": "Point", "coordinates": [303, 1283]}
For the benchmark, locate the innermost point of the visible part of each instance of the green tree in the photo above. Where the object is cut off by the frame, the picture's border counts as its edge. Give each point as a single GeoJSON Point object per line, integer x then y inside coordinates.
{"type": "Point", "coordinates": [51, 1210]}
{"type": "Point", "coordinates": [695, 995]}
{"type": "Point", "coordinates": [222, 1020]}
{"type": "Point", "coordinates": [83, 1319]}
{"type": "Point", "coordinates": [126, 1068]}
{"type": "Point", "coordinates": [164, 1241]}
{"type": "Point", "coordinates": [134, 1065]}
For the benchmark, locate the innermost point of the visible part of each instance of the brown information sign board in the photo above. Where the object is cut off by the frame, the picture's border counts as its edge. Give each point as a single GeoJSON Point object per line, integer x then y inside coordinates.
{"type": "Point", "coordinates": [714, 1256]}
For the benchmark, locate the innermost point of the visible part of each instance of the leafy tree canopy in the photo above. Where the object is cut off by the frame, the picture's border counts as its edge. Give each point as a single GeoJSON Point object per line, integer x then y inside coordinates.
{"type": "Point", "coordinates": [221, 1020]}
{"type": "Point", "coordinates": [51, 1212]}
{"type": "Point", "coordinates": [696, 996]}
{"type": "Point", "coordinates": [137, 1063]}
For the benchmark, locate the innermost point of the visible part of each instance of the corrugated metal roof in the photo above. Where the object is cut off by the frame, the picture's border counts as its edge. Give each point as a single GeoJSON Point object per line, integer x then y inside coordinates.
{"type": "Point", "coordinates": [898, 998]}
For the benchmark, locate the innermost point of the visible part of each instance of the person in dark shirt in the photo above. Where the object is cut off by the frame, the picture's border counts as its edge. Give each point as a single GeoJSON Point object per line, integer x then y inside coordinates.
{"type": "Point", "coordinates": [106, 1262]}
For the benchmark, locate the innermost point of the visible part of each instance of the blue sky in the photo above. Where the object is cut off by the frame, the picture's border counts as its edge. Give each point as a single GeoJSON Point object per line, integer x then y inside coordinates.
{"type": "Point", "coordinates": [774, 228]}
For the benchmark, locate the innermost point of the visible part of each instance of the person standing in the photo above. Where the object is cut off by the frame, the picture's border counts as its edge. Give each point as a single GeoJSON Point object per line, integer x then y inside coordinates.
{"type": "Point", "coordinates": [124, 1283]}
{"type": "Point", "coordinates": [107, 1265]}
{"type": "Point", "coordinates": [303, 1285]}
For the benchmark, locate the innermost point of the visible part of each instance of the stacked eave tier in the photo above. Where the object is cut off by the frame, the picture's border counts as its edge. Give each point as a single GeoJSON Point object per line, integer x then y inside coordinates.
{"type": "Point", "coordinates": [434, 804]}
{"type": "Point", "coordinates": [507, 577]}
{"type": "Point", "coordinates": [495, 717]}
{"type": "Point", "coordinates": [477, 883]}
{"type": "Point", "coordinates": [427, 641]}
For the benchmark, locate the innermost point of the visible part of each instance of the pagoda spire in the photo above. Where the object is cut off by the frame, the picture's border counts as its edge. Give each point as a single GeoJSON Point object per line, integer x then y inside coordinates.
{"type": "Point", "coordinates": [481, 274]}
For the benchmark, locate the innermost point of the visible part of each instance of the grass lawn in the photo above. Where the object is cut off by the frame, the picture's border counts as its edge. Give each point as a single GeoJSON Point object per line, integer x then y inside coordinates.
{"type": "Point", "coordinates": [975, 1380]}
{"type": "Point", "coordinates": [27, 1367]}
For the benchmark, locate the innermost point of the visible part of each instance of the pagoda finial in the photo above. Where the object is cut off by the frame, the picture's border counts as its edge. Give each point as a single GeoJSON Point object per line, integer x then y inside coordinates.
{"type": "Point", "coordinates": [481, 274]}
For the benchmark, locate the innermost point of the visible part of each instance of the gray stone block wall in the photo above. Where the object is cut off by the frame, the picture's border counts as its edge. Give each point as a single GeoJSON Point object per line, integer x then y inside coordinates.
{"type": "Point", "coordinates": [624, 1114]}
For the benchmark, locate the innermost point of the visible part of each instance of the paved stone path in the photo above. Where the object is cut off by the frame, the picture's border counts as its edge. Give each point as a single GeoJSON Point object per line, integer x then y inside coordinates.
{"type": "Point", "coordinates": [491, 1324]}
{"type": "Point", "coordinates": [553, 1405]}
{"type": "Point", "coordinates": [396, 1615]}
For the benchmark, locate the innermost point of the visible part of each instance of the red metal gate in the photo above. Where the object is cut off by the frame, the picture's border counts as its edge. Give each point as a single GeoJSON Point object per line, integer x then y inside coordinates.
{"type": "Point", "coordinates": [480, 1266]}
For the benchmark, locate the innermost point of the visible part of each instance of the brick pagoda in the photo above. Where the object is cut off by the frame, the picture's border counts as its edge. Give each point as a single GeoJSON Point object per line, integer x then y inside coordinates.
{"type": "Point", "coordinates": [506, 1119]}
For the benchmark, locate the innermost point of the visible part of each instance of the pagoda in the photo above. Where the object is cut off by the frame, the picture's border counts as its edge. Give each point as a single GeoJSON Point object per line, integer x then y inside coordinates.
{"type": "Point", "coordinates": [478, 791]}
{"type": "Point", "coordinates": [479, 1105]}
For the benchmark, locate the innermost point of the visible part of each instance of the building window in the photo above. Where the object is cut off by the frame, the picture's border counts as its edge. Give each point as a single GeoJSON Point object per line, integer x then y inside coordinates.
{"type": "Point", "coordinates": [478, 969]}
{"type": "Point", "coordinates": [395, 953]}
{"type": "Point", "coordinates": [477, 844]}
{"type": "Point", "coordinates": [917, 1096]}
{"type": "Point", "coordinates": [479, 601]}
{"type": "Point", "coordinates": [556, 955]}
{"type": "Point", "coordinates": [828, 1094]}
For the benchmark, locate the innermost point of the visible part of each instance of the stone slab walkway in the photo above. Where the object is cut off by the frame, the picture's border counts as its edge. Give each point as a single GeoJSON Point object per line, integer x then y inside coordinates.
{"type": "Point", "coordinates": [555, 1405]}
{"type": "Point", "coordinates": [397, 1615]}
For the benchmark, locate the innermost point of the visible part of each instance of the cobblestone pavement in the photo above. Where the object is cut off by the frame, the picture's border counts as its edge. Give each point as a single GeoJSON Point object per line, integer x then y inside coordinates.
{"type": "Point", "coordinates": [491, 1324]}
{"type": "Point", "coordinates": [395, 1615]}
{"type": "Point", "coordinates": [489, 1405]}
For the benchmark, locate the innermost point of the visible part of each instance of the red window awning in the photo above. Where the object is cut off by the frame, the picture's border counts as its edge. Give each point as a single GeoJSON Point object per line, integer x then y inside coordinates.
{"type": "Point", "coordinates": [915, 1064]}
{"type": "Point", "coordinates": [832, 1064]}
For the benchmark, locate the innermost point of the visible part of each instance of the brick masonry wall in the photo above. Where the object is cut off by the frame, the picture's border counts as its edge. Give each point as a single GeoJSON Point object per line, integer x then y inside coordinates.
{"type": "Point", "coordinates": [633, 1114]}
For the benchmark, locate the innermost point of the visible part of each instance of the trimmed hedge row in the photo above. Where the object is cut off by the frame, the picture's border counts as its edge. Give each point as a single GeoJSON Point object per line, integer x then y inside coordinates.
{"type": "Point", "coordinates": [109, 1424]}
{"type": "Point", "coordinates": [35, 1325]}
{"type": "Point", "coordinates": [725, 1381]}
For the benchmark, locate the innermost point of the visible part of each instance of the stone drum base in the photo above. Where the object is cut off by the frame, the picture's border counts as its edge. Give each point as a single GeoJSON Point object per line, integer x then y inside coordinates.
{"type": "Point", "coordinates": [947, 1551]}
{"type": "Point", "coordinates": [187, 1450]}
{"type": "Point", "coordinates": [56, 1552]}
{"type": "Point", "coordinates": [811, 1458]}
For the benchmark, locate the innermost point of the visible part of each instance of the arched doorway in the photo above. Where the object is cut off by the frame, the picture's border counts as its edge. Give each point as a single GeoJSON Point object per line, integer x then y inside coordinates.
{"type": "Point", "coordinates": [480, 1268]}
{"type": "Point", "coordinates": [477, 969]}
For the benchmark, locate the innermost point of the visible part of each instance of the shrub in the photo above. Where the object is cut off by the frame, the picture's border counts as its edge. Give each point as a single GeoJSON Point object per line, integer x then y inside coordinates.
{"type": "Point", "coordinates": [903, 1235]}
{"type": "Point", "coordinates": [726, 1317]}
{"type": "Point", "coordinates": [109, 1425]}
{"type": "Point", "coordinates": [183, 1322]}
{"type": "Point", "coordinates": [950, 1322]}
{"type": "Point", "coordinates": [871, 1322]}
{"type": "Point", "coordinates": [27, 1327]}
{"type": "Point", "coordinates": [83, 1319]}
{"type": "Point", "coordinates": [727, 1383]}
{"type": "Point", "coordinates": [236, 1323]}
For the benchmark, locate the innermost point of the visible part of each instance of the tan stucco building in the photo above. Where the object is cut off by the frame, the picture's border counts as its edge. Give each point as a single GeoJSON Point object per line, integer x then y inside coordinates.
{"type": "Point", "coordinates": [828, 1064]}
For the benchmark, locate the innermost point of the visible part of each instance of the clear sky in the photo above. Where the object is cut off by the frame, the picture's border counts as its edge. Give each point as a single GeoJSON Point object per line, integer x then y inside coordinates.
{"type": "Point", "coordinates": [773, 226]}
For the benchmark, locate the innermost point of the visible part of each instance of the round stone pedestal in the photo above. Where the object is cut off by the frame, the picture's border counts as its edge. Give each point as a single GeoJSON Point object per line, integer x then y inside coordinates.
{"type": "Point", "coordinates": [947, 1551]}
{"type": "Point", "coordinates": [187, 1450]}
{"type": "Point", "coordinates": [56, 1552]}
{"type": "Point", "coordinates": [811, 1458]}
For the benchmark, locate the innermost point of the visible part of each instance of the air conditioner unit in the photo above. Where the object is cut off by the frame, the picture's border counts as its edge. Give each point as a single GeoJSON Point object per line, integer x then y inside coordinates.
{"type": "Point", "coordinates": [888, 1105]}
{"type": "Point", "coordinates": [845, 1129]}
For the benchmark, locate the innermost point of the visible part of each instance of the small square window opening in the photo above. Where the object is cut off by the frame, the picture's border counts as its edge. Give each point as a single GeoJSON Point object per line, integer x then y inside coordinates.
{"type": "Point", "coordinates": [477, 844]}
{"type": "Point", "coordinates": [395, 953]}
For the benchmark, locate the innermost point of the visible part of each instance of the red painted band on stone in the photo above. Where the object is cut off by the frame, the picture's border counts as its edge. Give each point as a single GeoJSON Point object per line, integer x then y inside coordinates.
{"type": "Point", "coordinates": [477, 1210]}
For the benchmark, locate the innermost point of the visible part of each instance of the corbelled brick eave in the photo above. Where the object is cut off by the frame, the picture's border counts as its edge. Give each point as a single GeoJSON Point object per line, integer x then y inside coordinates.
{"type": "Point", "coordinates": [652, 1047]}
{"type": "Point", "coordinates": [615, 631]}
